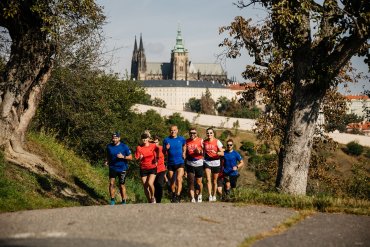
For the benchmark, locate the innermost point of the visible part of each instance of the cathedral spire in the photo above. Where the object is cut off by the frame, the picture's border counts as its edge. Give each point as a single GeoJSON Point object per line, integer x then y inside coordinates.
{"type": "Point", "coordinates": [135, 46]}
{"type": "Point", "coordinates": [141, 47]}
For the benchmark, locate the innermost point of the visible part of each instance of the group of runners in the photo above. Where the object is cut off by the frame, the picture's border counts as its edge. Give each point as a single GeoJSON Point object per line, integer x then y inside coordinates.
{"type": "Point", "coordinates": [193, 157]}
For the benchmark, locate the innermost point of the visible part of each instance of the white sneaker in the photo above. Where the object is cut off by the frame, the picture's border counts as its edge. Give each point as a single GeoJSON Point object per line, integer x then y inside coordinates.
{"type": "Point", "coordinates": [214, 198]}
{"type": "Point", "coordinates": [210, 198]}
{"type": "Point", "coordinates": [193, 200]}
{"type": "Point", "coordinates": [199, 198]}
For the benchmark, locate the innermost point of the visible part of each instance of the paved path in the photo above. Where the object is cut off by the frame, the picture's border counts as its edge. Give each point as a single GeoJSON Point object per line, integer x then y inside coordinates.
{"type": "Point", "coordinates": [184, 224]}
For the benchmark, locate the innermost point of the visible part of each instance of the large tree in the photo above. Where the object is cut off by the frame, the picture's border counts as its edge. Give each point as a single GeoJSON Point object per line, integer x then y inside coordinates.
{"type": "Point", "coordinates": [301, 50]}
{"type": "Point", "coordinates": [39, 32]}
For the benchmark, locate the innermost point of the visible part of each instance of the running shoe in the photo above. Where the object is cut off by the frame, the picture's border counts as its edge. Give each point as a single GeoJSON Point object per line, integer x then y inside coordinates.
{"type": "Point", "coordinates": [199, 198]}
{"type": "Point", "coordinates": [123, 202]}
{"type": "Point", "coordinates": [210, 198]}
{"type": "Point", "coordinates": [193, 200]}
{"type": "Point", "coordinates": [173, 198]}
{"type": "Point", "coordinates": [112, 202]}
{"type": "Point", "coordinates": [214, 198]}
{"type": "Point", "coordinates": [178, 198]}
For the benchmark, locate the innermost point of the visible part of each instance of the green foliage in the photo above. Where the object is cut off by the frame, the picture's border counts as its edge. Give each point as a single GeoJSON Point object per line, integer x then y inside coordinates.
{"type": "Point", "coordinates": [193, 105]}
{"type": "Point", "coordinates": [354, 148]}
{"type": "Point", "coordinates": [145, 99]}
{"type": "Point", "coordinates": [82, 107]}
{"type": "Point", "coordinates": [248, 147]}
{"type": "Point", "coordinates": [225, 135]}
{"type": "Point", "coordinates": [358, 185]}
{"type": "Point", "coordinates": [159, 102]}
{"type": "Point", "coordinates": [182, 124]}
{"type": "Point", "coordinates": [367, 153]}
{"type": "Point", "coordinates": [265, 167]}
{"type": "Point", "coordinates": [222, 105]}
{"type": "Point", "coordinates": [207, 104]}
{"type": "Point", "coordinates": [341, 123]}
{"type": "Point", "coordinates": [244, 112]}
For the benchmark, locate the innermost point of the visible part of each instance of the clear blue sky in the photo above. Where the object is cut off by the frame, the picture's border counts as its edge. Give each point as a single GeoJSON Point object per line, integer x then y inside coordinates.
{"type": "Point", "coordinates": [158, 20]}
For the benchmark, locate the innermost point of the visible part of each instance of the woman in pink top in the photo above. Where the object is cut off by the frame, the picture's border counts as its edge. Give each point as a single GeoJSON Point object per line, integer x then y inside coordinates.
{"type": "Point", "coordinates": [213, 149]}
{"type": "Point", "coordinates": [148, 153]}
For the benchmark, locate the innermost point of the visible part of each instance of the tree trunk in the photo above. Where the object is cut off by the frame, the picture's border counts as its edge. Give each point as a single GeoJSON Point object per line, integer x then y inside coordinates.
{"type": "Point", "coordinates": [26, 73]}
{"type": "Point", "coordinates": [295, 154]}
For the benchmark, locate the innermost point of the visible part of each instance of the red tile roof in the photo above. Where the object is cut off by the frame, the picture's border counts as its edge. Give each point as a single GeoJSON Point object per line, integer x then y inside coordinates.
{"type": "Point", "coordinates": [241, 86]}
{"type": "Point", "coordinates": [358, 97]}
{"type": "Point", "coordinates": [364, 126]}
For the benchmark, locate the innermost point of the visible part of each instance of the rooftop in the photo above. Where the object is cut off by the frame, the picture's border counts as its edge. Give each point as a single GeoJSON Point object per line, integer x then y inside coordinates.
{"type": "Point", "coordinates": [176, 83]}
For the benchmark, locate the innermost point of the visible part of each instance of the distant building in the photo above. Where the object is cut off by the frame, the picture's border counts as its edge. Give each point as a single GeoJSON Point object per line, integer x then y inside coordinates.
{"type": "Point", "coordinates": [176, 93]}
{"type": "Point", "coordinates": [359, 105]}
{"type": "Point", "coordinates": [179, 68]}
{"type": "Point", "coordinates": [362, 127]}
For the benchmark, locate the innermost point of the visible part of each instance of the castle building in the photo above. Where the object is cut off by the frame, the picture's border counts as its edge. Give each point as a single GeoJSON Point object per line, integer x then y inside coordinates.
{"type": "Point", "coordinates": [179, 68]}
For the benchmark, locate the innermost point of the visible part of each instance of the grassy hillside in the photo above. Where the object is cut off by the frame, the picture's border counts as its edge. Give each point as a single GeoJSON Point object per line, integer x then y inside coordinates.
{"type": "Point", "coordinates": [20, 189]}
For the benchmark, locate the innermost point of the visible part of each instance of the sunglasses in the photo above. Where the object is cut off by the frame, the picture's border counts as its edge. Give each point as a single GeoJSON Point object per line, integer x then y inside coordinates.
{"type": "Point", "coordinates": [209, 133]}
{"type": "Point", "coordinates": [229, 145]}
{"type": "Point", "coordinates": [156, 142]}
{"type": "Point", "coordinates": [193, 133]}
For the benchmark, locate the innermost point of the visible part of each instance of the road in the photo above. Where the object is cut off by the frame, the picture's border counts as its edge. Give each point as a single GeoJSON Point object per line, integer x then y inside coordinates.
{"type": "Point", "coordinates": [184, 224]}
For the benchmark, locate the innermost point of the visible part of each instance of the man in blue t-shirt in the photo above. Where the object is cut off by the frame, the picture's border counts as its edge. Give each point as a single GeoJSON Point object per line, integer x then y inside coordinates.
{"type": "Point", "coordinates": [232, 162]}
{"type": "Point", "coordinates": [117, 156]}
{"type": "Point", "coordinates": [174, 148]}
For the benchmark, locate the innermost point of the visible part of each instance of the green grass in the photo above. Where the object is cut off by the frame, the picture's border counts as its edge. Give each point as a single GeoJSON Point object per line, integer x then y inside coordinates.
{"type": "Point", "coordinates": [23, 191]}
{"type": "Point", "coordinates": [321, 203]}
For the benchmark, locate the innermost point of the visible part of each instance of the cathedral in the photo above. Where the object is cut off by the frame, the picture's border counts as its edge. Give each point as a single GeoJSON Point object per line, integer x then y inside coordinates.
{"type": "Point", "coordinates": [179, 68]}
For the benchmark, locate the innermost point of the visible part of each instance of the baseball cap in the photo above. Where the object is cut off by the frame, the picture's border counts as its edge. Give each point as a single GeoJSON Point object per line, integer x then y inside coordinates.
{"type": "Point", "coordinates": [116, 134]}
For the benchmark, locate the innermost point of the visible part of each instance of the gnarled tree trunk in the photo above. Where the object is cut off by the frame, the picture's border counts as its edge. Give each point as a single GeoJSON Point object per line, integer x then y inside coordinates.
{"type": "Point", "coordinates": [27, 71]}
{"type": "Point", "coordinates": [295, 154]}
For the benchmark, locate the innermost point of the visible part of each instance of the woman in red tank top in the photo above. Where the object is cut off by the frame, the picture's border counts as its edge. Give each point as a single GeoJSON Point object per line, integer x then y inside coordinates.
{"type": "Point", "coordinates": [148, 153]}
{"type": "Point", "coordinates": [212, 151]}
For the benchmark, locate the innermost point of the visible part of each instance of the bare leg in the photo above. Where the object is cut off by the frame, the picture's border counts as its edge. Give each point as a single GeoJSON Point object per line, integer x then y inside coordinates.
{"type": "Point", "coordinates": [151, 189]}
{"type": "Point", "coordinates": [112, 190]}
{"type": "Point", "coordinates": [180, 174]}
{"type": "Point", "coordinates": [144, 181]}
{"type": "Point", "coordinates": [191, 184]}
{"type": "Point", "coordinates": [123, 192]}
{"type": "Point", "coordinates": [209, 182]}
{"type": "Point", "coordinates": [214, 183]}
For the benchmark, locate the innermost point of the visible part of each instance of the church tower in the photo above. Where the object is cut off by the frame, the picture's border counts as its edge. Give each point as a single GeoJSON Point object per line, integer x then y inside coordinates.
{"type": "Point", "coordinates": [138, 62]}
{"type": "Point", "coordinates": [179, 59]}
{"type": "Point", "coordinates": [134, 67]}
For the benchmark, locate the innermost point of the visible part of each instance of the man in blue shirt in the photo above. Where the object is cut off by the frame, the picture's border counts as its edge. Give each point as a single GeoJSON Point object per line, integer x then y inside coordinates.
{"type": "Point", "coordinates": [232, 162]}
{"type": "Point", "coordinates": [117, 156]}
{"type": "Point", "coordinates": [175, 149]}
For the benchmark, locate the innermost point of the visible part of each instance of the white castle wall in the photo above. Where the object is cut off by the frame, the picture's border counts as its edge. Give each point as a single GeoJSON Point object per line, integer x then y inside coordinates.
{"type": "Point", "coordinates": [244, 124]}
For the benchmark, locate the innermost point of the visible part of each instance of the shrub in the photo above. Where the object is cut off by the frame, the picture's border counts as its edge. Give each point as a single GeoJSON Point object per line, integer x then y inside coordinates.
{"type": "Point", "coordinates": [354, 148]}
{"type": "Point", "coordinates": [358, 184]}
{"type": "Point", "coordinates": [224, 135]}
{"type": "Point", "coordinates": [367, 153]}
{"type": "Point", "coordinates": [248, 147]}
